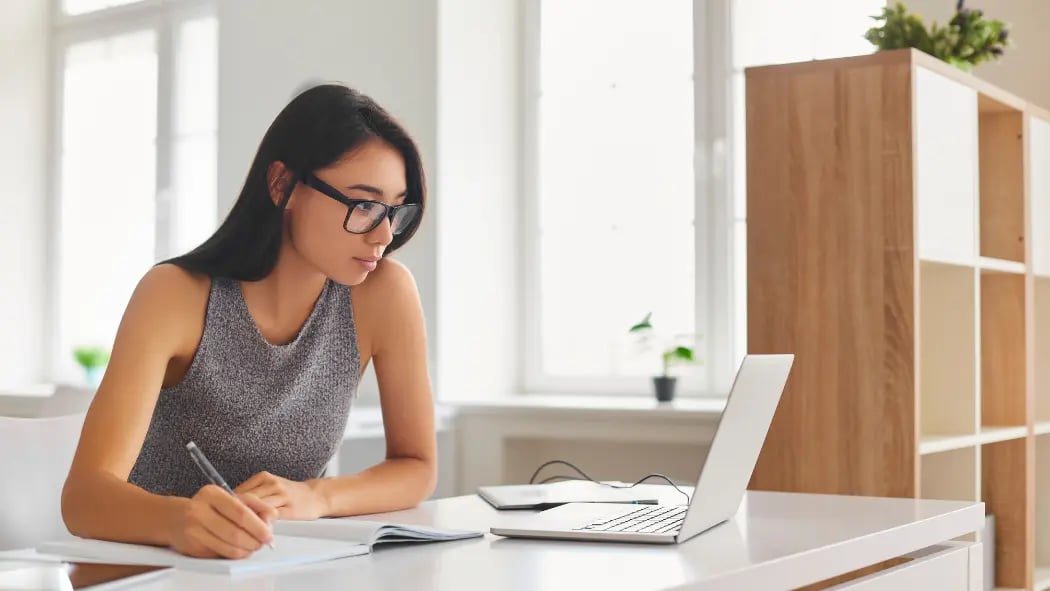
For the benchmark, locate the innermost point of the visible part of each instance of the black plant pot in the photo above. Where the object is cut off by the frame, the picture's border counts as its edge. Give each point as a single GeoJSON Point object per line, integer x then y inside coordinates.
{"type": "Point", "coordinates": [664, 388]}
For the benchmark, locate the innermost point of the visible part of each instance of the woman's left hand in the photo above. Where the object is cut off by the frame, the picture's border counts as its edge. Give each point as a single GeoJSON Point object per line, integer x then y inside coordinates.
{"type": "Point", "coordinates": [293, 500]}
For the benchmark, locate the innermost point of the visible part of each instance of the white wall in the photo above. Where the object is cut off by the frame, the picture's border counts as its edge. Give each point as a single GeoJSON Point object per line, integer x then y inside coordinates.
{"type": "Point", "coordinates": [23, 144]}
{"type": "Point", "coordinates": [479, 123]}
{"type": "Point", "coordinates": [1024, 69]}
{"type": "Point", "coordinates": [268, 48]}
{"type": "Point", "coordinates": [449, 70]}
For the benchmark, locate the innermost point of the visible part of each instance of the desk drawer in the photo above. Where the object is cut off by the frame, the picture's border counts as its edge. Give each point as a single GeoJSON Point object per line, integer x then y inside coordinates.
{"type": "Point", "coordinates": [953, 566]}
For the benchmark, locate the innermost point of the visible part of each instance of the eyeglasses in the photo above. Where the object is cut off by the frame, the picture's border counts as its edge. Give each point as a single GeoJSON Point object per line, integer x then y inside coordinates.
{"type": "Point", "coordinates": [364, 215]}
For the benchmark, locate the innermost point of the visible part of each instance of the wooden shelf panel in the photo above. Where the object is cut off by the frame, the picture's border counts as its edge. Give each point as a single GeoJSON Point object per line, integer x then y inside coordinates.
{"type": "Point", "coordinates": [950, 475]}
{"type": "Point", "coordinates": [1042, 428]}
{"type": "Point", "coordinates": [831, 251]}
{"type": "Point", "coordinates": [1005, 493]}
{"type": "Point", "coordinates": [1001, 176]}
{"type": "Point", "coordinates": [947, 350]}
{"type": "Point", "coordinates": [1003, 349]}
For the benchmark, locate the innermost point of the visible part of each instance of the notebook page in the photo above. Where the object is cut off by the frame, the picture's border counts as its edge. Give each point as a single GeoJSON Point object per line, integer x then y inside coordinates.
{"type": "Point", "coordinates": [369, 532]}
{"type": "Point", "coordinates": [349, 530]}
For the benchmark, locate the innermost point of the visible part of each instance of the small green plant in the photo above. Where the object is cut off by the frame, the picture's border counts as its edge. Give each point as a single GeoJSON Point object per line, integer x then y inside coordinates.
{"type": "Point", "coordinates": [89, 357]}
{"type": "Point", "coordinates": [967, 40]}
{"type": "Point", "coordinates": [670, 354]}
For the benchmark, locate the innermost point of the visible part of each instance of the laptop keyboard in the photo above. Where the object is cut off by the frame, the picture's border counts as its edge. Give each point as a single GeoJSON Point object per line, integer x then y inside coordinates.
{"type": "Point", "coordinates": [652, 519]}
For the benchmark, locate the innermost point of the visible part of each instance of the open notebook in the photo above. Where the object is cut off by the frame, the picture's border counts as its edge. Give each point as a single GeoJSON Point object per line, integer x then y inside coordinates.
{"type": "Point", "coordinates": [288, 551]}
{"type": "Point", "coordinates": [295, 543]}
{"type": "Point", "coordinates": [369, 533]}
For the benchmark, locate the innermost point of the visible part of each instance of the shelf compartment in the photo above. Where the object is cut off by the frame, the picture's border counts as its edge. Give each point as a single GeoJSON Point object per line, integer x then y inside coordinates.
{"type": "Point", "coordinates": [947, 355]}
{"type": "Point", "coordinates": [1042, 511]}
{"type": "Point", "coordinates": [1004, 494]}
{"type": "Point", "coordinates": [1002, 349]}
{"type": "Point", "coordinates": [1041, 301]}
{"type": "Point", "coordinates": [1039, 193]}
{"type": "Point", "coordinates": [950, 475]}
{"type": "Point", "coordinates": [1042, 578]}
{"type": "Point", "coordinates": [1001, 184]}
{"type": "Point", "coordinates": [946, 168]}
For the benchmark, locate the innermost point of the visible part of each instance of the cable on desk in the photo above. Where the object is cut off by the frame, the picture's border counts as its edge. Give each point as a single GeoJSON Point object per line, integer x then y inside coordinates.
{"type": "Point", "coordinates": [586, 477]}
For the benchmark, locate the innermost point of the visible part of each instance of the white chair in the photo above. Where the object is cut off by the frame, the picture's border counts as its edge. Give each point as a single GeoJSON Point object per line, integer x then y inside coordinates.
{"type": "Point", "coordinates": [35, 455]}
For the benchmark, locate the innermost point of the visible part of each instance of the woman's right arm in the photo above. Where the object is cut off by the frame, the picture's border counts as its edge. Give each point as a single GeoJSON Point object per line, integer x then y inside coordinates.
{"type": "Point", "coordinates": [98, 501]}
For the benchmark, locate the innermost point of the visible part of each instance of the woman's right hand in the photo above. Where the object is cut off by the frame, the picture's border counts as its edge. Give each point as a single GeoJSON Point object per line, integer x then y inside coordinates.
{"type": "Point", "coordinates": [216, 524]}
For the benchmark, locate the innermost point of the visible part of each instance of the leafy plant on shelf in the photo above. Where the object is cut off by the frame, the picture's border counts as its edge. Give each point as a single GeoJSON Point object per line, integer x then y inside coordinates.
{"type": "Point", "coordinates": [670, 355]}
{"type": "Point", "coordinates": [91, 357]}
{"type": "Point", "coordinates": [967, 40]}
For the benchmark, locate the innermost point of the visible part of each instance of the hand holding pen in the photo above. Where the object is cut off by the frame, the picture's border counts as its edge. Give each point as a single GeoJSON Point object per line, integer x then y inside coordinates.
{"type": "Point", "coordinates": [218, 523]}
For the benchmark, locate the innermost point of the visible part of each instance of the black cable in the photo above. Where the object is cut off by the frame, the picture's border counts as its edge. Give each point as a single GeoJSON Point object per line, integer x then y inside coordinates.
{"type": "Point", "coordinates": [586, 477]}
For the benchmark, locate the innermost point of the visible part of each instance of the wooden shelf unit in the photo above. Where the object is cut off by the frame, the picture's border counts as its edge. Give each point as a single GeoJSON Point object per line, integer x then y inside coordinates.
{"type": "Point", "coordinates": [898, 243]}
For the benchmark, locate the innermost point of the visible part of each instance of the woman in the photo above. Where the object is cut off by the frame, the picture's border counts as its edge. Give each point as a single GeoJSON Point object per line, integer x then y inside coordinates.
{"type": "Point", "coordinates": [251, 346]}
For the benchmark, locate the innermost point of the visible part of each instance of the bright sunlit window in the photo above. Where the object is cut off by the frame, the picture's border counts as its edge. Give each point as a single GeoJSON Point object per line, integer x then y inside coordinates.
{"type": "Point", "coordinates": [135, 178]}
{"type": "Point", "coordinates": [613, 234]}
{"type": "Point", "coordinates": [622, 220]}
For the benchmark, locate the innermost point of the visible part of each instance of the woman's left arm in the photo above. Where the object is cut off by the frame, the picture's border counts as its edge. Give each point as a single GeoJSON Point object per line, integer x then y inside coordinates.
{"type": "Point", "coordinates": [409, 473]}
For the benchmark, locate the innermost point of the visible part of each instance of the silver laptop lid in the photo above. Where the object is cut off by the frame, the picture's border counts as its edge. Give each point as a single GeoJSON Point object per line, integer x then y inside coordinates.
{"type": "Point", "coordinates": [737, 442]}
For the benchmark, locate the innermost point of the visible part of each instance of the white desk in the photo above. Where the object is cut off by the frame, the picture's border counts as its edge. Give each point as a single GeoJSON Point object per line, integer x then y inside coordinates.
{"type": "Point", "coordinates": [777, 541]}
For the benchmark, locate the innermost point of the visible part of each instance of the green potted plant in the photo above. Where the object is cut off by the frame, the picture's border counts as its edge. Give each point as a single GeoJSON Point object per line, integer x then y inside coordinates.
{"type": "Point", "coordinates": [671, 354]}
{"type": "Point", "coordinates": [94, 361]}
{"type": "Point", "coordinates": [966, 41]}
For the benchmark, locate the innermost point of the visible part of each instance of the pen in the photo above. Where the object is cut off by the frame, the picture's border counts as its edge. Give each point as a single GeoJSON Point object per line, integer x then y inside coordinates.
{"type": "Point", "coordinates": [210, 471]}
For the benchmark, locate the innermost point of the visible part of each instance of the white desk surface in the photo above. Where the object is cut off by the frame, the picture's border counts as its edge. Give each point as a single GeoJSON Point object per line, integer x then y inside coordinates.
{"type": "Point", "coordinates": [776, 541]}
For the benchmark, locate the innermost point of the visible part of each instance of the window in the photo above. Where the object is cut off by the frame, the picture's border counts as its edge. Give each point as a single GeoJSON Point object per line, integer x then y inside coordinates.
{"type": "Point", "coordinates": [770, 32]}
{"type": "Point", "coordinates": [135, 177]}
{"type": "Point", "coordinates": [612, 205]}
{"type": "Point", "coordinates": [630, 205]}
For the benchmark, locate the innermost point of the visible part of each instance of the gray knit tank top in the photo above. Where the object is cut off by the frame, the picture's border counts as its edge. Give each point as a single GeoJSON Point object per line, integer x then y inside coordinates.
{"type": "Point", "coordinates": [251, 406]}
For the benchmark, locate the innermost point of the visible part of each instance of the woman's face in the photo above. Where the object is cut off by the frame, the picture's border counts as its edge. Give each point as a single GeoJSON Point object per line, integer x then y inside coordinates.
{"type": "Point", "coordinates": [374, 171]}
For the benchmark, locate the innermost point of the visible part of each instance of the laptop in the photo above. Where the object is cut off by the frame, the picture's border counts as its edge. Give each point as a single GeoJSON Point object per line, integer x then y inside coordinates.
{"type": "Point", "coordinates": [720, 487]}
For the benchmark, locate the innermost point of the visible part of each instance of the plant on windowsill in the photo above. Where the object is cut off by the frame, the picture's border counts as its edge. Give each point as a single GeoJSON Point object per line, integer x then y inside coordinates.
{"type": "Point", "coordinates": [671, 354]}
{"type": "Point", "coordinates": [967, 40]}
{"type": "Point", "coordinates": [94, 361]}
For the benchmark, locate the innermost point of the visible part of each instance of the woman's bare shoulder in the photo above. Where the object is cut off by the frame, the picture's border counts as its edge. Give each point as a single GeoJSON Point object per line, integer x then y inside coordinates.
{"type": "Point", "coordinates": [174, 286]}
{"type": "Point", "coordinates": [171, 299]}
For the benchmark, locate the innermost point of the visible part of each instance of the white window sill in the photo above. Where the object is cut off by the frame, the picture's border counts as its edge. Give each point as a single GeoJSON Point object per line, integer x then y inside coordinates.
{"type": "Point", "coordinates": [609, 407]}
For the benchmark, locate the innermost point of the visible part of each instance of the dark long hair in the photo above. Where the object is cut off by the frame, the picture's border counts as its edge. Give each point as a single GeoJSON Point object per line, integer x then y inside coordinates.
{"type": "Point", "coordinates": [313, 131]}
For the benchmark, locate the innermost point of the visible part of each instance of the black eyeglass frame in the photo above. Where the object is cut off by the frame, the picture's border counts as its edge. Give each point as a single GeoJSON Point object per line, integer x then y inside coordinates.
{"type": "Point", "coordinates": [389, 211]}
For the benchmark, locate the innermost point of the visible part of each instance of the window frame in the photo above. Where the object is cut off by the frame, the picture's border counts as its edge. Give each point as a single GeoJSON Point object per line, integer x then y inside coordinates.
{"type": "Point", "coordinates": [163, 17]}
{"type": "Point", "coordinates": [713, 239]}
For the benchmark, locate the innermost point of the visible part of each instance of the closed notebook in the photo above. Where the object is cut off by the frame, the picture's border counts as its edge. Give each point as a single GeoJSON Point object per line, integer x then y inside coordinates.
{"type": "Point", "coordinates": [288, 551]}
{"type": "Point", "coordinates": [369, 533]}
{"type": "Point", "coordinates": [546, 496]}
